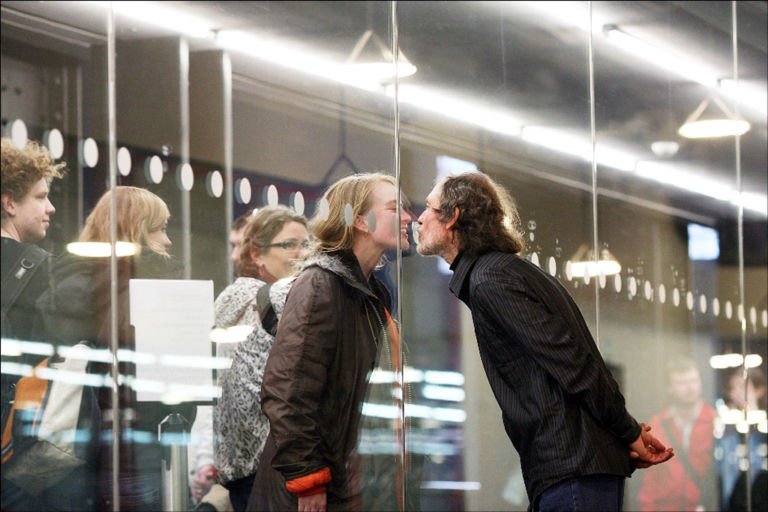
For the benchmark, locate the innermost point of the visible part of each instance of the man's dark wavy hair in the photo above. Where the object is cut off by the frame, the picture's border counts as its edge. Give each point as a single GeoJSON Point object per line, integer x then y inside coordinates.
{"type": "Point", "coordinates": [488, 218]}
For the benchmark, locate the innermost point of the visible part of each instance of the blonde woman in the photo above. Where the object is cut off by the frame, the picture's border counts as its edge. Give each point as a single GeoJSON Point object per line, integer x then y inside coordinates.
{"type": "Point", "coordinates": [76, 307]}
{"type": "Point", "coordinates": [334, 322]}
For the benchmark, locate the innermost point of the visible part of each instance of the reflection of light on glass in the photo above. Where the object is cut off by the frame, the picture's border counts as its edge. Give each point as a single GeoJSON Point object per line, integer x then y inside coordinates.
{"type": "Point", "coordinates": [450, 394]}
{"type": "Point", "coordinates": [54, 141]}
{"type": "Point", "coordinates": [323, 209]}
{"type": "Point", "coordinates": [723, 361]}
{"type": "Point", "coordinates": [131, 356]}
{"type": "Point", "coordinates": [158, 13]}
{"type": "Point", "coordinates": [124, 161]}
{"type": "Point", "coordinates": [667, 58]}
{"type": "Point", "coordinates": [89, 152]}
{"type": "Point", "coordinates": [444, 414]}
{"type": "Point", "coordinates": [10, 368]}
{"type": "Point", "coordinates": [243, 191]}
{"type": "Point", "coordinates": [233, 334]}
{"type": "Point", "coordinates": [153, 169]}
{"type": "Point", "coordinates": [185, 177]}
{"type": "Point", "coordinates": [19, 134]}
{"type": "Point", "coordinates": [441, 377]}
{"type": "Point", "coordinates": [13, 347]}
{"type": "Point", "coordinates": [191, 361]}
{"type": "Point", "coordinates": [412, 374]}
{"type": "Point", "coordinates": [451, 485]}
{"type": "Point", "coordinates": [349, 215]}
{"type": "Point", "coordinates": [214, 184]}
{"type": "Point", "coordinates": [102, 249]}
{"type": "Point", "coordinates": [712, 128]}
{"type": "Point", "coordinates": [86, 379]}
{"type": "Point", "coordinates": [462, 108]}
{"type": "Point", "coordinates": [379, 376]}
{"type": "Point", "coordinates": [288, 54]}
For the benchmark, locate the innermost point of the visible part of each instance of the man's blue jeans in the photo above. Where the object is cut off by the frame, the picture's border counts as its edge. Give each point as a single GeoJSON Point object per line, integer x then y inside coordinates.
{"type": "Point", "coordinates": [591, 493]}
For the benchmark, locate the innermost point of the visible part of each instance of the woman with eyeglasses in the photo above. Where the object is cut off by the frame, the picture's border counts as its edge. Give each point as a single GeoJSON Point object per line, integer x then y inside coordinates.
{"type": "Point", "coordinates": [274, 240]}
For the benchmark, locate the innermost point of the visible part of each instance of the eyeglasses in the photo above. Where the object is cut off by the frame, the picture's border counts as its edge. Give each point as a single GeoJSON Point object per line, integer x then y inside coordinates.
{"type": "Point", "coordinates": [291, 244]}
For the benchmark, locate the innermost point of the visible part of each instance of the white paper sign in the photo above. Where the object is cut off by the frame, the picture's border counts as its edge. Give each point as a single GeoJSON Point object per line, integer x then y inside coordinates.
{"type": "Point", "coordinates": [172, 321]}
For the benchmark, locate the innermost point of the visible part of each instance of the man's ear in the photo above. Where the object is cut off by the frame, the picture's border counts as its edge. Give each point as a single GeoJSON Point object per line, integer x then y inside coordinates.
{"type": "Point", "coordinates": [9, 205]}
{"type": "Point", "coordinates": [451, 223]}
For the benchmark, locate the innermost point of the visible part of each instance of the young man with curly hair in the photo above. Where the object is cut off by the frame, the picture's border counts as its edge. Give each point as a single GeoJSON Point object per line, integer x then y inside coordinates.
{"type": "Point", "coordinates": [26, 214]}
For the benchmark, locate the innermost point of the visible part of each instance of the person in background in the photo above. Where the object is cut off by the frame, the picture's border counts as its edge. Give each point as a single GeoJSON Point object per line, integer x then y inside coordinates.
{"type": "Point", "coordinates": [561, 407]}
{"type": "Point", "coordinates": [202, 475]}
{"type": "Point", "coordinates": [77, 307]}
{"type": "Point", "coordinates": [732, 452]}
{"type": "Point", "coordinates": [26, 215]}
{"type": "Point", "coordinates": [236, 236]}
{"type": "Point", "coordinates": [274, 241]}
{"type": "Point", "coordinates": [334, 330]}
{"type": "Point", "coordinates": [689, 481]}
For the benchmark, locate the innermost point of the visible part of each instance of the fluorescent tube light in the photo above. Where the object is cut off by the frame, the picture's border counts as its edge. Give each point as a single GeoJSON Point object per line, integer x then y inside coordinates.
{"type": "Point", "coordinates": [288, 55]}
{"type": "Point", "coordinates": [454, 106]}
{"type": "Point", "coordinates": [161, 14]}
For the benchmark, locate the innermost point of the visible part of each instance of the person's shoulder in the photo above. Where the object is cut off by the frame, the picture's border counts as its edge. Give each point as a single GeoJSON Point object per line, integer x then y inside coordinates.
{"type": "Point", "coordinates": [151, 265]}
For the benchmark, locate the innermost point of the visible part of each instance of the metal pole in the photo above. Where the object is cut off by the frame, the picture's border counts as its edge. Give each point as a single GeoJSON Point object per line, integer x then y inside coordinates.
{"type": "Point", "coordinates": [173, 433]}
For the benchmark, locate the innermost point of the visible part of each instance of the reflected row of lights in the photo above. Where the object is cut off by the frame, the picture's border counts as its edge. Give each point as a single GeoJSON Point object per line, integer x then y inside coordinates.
{"type": "Point", "coordinates": [490, 117]}
{"type": "Point", "coordinates": [736, 417]}
{"type": "Point", "coordinates": [585, 272]}
{"type": "Point", "coordinates": [724, 361]}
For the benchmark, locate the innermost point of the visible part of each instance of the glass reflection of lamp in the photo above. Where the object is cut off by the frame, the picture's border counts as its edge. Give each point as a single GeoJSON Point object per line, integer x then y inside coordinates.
{"type": "Point", "coordinates": [102, 249]}
{"type": "Point", "coordinates": [719, 126]}
{"type": "Point", "coordinates": [583, 263]}
{"type": "Point", "coordinates": [371, 57]}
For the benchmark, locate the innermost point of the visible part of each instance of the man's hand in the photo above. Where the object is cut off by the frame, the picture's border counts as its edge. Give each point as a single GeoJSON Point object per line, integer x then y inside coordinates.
{"type": "Point", "coordinates": [203, 481]}
{"type": "Point", "coordinates": [647, 451]}
{"type": "Point", "coordinates": [314, 503]}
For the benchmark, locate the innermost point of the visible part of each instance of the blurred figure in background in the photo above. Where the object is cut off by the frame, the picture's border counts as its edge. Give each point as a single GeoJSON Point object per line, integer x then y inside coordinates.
{"type": "Point", "coordinates": [732, 453]}
{"type": "Point", "coordinates": [77, 307]}
{"type": "Point", "coordinates": [274, 241]}
{"type": "Point", "coordinates": [689, 480]}
{"type": "Point", "coordinates": [236, 236]}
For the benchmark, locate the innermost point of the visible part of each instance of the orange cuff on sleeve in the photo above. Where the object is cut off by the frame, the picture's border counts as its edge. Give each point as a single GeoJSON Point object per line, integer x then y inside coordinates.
{"type": "Point", "coordinates": [309, 482]}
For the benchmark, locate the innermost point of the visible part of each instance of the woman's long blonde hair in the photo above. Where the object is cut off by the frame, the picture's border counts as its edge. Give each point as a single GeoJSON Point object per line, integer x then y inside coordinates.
{"type": "Point", "coordinates": [139, 213]}
{"type": "Point", "coordinates": [333, 233]}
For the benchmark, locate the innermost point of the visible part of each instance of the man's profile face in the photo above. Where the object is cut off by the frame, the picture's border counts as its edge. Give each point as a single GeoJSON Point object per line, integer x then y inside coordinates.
{"type": "Point", "coordinates": [31, 215]}
{"type": "Point", "coordinates": [685, 387]}
{"type": "Point", "coordinates": [235, 237]}
{"type": "Point", "coordinates": [434, 237]}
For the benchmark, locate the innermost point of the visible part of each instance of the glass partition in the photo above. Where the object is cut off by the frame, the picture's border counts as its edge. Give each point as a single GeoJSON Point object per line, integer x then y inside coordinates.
{"type": "Point", "coordinates": [233, 108]}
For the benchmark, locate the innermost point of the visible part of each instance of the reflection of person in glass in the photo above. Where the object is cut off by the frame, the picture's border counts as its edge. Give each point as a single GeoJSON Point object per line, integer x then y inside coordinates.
{"type": "Point", "coordinates": [732, 452]}
{"type": "Point", "coordinates": [26, 215]}
{"type": "Point", "coordinates": [236, 236]}
{"type": "Point", "coordinates": [335, 322]}
{"type": "Point", "coordinates": [77, 307]}
{"type": "Point", "coordinates": [689, 481]}
{"type": "Point", "coordinates": [274, 240]}
{"type": "Point", "coordinates": [561, 408]}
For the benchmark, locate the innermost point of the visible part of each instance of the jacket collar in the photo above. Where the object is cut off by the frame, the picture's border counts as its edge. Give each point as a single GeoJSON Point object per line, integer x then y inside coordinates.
{"type": "Point", "coordinates": [461, 267]}
{"type": "Point", "coordinates": [345, 265]}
